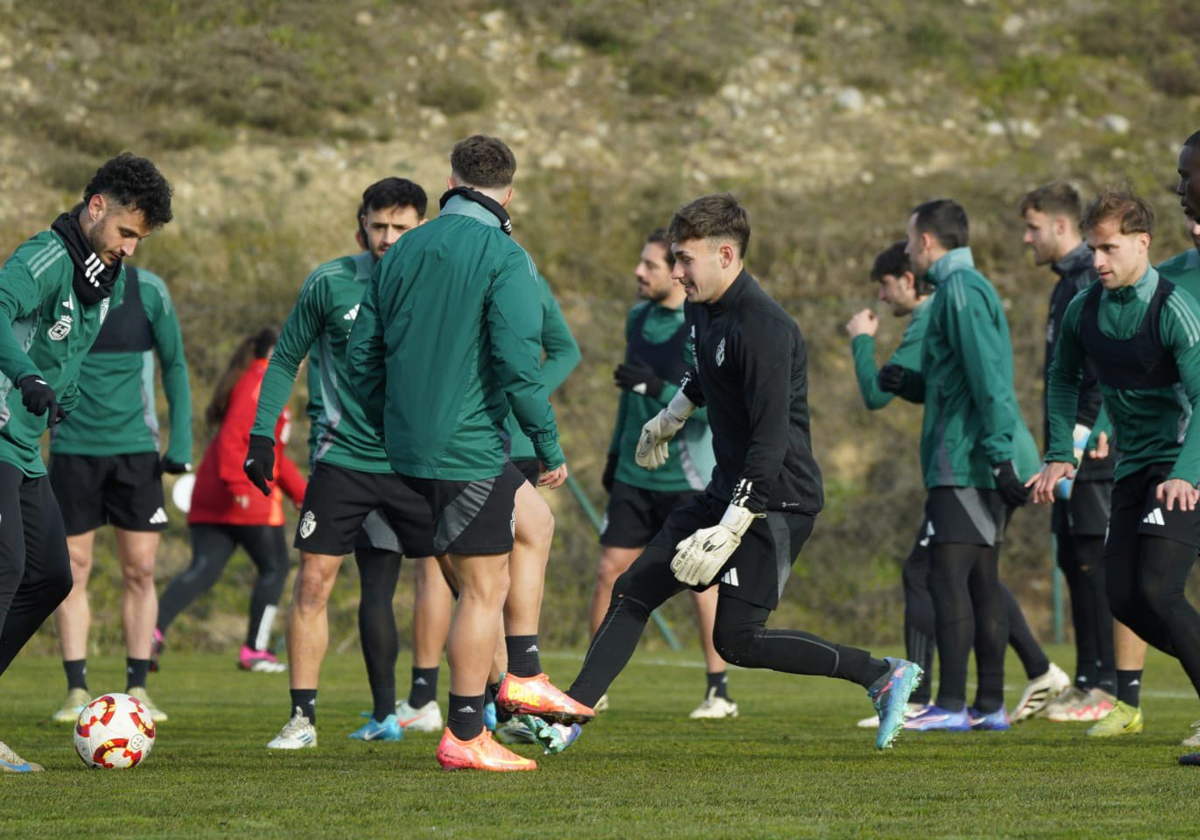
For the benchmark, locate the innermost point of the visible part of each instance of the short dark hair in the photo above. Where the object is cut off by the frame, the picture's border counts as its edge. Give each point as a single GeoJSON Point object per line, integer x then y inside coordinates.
{"type": "Point", "coordinates": [1134, 212]}
{"type": "Point", "coordinates": [892, 261]}
{"type": "Point", "coordinates": [482, 161]}
{"type": "Point", "coordinates": [658, 236]}
{"type": "Point", "coordinates": [1193, 141]}
{"type": "Point", "coordinates": [946, 220]}
{"type": "Point", "coordinates": [136, 183]}
{"type": "Point", "coordinates": [712, 217]}
{"type": "Point", "coordinates": [1058, 198]}
{"type": "Point", "coordinates": [393, 192]}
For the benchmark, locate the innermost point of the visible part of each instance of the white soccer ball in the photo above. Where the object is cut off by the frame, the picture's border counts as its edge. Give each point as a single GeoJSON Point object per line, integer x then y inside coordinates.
{"type": "Point", "coordinates": [114, 732]}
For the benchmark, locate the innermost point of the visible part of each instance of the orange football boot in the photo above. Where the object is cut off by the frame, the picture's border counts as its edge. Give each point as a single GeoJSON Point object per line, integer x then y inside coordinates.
{"type": "Point", "coordinates": [536, 696]}
{"type": "Point", "coordinates": [480, 753]}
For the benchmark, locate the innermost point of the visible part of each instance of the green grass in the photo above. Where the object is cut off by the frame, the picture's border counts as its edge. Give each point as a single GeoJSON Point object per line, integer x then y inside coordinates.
{"type": "Point", "coordinates": [792, 766]}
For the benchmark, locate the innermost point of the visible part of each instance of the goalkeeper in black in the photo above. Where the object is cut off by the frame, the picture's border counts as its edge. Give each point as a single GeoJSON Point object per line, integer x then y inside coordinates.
{"type": "Point", "coordinates": [746, 529]}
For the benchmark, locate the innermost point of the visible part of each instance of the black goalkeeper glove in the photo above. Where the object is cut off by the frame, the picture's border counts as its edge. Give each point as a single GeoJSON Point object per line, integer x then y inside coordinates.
{"type": "Point", "coordinates": [891, 378]}
{"type": "Point", "coordinates": [260, 463]}
{"type": "Point", "coordinates": [166, 465]}
{"type": "Point", "coordinates": [39, 398]}
{"type": "Point", "coordinates": [610, 472]}
{"type": "Point", "coordinates": [638, 377]}
{"type": "Point", "coordinates": [1012, 489]}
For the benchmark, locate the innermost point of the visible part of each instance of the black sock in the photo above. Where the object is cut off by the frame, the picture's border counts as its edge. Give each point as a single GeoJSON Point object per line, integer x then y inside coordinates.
{"type": "Point", "coordinates": [875, 670]}
{"type": "Point", "coordinates": [76, 673]}
{"type": "Point", "coordinates": [135, 673]}
{"type": "Point", "coordinates": [718, 684]}
{"type": "Point", "coordinates": [523, 660]}
{"type": "Point", "coordinates": [304, 699]}
{"type": "Point", "coordinates": [1085, 676]}
{"type": "Point", "coordinates": [424, 687]}
{"type": "Point", "coordinates": [466, 716]}
{"type": "Point", "coordinates": [1129, 687]}
{"type": "Point", "coordinates": [1106, 680]}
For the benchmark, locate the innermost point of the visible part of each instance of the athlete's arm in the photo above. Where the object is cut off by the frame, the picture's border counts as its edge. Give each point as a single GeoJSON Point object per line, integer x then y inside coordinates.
{"type": "Point", "coordinates": [301, 328]}
{"type": "Point", "coordinates": [862, 348]}
{"type": "Point", "coordinates": [562, 351]}
{"type": "Point", "coordinates": [233, 438]}
{"type": "Point", "coordinates": [981, 349]}
{"type": "Point", "coordinates": [20, 296]}
{"type": "Point", "coordinates": [1062, 386]}
{"type": "Point", "coordinates": [365, 366]}
{"type": "Point", "coordinates": [764, 352]}
{"type": "Point", "coordinates": [1180, 328]}
{"type": "Point", "coordinates": [168, 345]}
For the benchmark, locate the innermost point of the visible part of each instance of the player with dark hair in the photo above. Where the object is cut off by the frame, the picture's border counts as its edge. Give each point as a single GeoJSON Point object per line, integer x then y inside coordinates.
{"type": "Point", "coordinates": [1079, 517]}
{"type": "Point", "coordinates": [745, 530]}
{"type": "Point", "coordinates": [1143, 334]}
{"type": "Point", "coordinates": [354, 501]}
{"type": "Point", "coordinates": [57, 286]}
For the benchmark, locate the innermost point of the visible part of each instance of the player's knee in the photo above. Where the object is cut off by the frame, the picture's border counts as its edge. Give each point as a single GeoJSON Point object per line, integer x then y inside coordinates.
{"type": "Point", "coordinates": [1162, 600]}
{"type": "Point", "coordinates": [735, 641]}
{"type": "Point", "coordinates": [1123, 605]}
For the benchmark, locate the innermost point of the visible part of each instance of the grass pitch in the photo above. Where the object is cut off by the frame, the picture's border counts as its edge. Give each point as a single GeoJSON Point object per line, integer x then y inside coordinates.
{"type": "Point", "coordinates": [792, 765]}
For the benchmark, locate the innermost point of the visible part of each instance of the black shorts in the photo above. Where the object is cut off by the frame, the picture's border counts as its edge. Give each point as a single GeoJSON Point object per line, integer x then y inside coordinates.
{"type": "Point", "coordinates": [1086, 513]}
{"type": "Point", "coordinates": [1136, 513]}
{"type": "Point", "coordinates": [634, 515]}
{"type": "Point", "coordinates": [472, 517]}
{"type": "Point", "coordinates": [530, 468]}
{"type": "Point", "coordinates": [759, 568]}
{"type": "Point", "coordinates": [965, 515]}
{"type": "Point", "coordinates": [376, 533]}
{"type": "Point", "coordinates": [124, 490]}
{"type": "Point", "coordinates": [339, 500]}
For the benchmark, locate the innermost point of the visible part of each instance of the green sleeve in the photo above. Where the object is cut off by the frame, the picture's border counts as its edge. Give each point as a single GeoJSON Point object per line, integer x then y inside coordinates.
{"type": "Point", "coordinates": [295, 339]}
{"type": "Point", "coordinates": [20, 296]}
{"type": "Point", "coordinates": [981, 349]}
{"type": "Point", "coordinates": [614, 445]}
{"type": "Point", "coordinates": [1180, 327]}
{"type": "Point", "coordinates": [867, 373]}
{"type": "Point", "coordinates": [514, 329]}
{"type": "Point", "coordinates": [1062, 386]}
{"type": "Point", "coordinates": [1103, 424]}
{"type": "Point", "coordinates": [562, 351]}
{"type": "Point", "coordinates": [364, 353]}
{"type": "Point", "coordinates": [168, 344]}
{"type": "Point", "coordinates": [69, 398]}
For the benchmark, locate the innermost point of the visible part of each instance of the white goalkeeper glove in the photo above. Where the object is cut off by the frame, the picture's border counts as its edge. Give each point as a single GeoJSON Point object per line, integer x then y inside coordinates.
{"type": "Point", "coordinates": [653, 445]}
{"type": "Point", "coordinates": [699, 557]}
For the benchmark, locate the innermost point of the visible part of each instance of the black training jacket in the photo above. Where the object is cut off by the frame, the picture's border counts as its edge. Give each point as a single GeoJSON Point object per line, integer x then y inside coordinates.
{"type": "Point", "coordinates": [752, 373]}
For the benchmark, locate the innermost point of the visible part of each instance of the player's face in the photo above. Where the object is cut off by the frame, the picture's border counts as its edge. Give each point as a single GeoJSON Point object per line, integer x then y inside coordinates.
{"type": "Point", "coordinates": [699, 268]}
{"type": "Point", "coordinates": [116, 229]}
{"type": "Point", "coordinates": [384, 227]}
{"type": "Point", "coordinates": [900, 293]}
{"type": "Point", "coordinates": [653, 273]}
{"type": "Point", "coordinates": [917, 248]}
{"type": "Point", "coordinates": [1189, 181]}
{"type": "Point", "coordinates": [1119, 258]}
{"type": "Point", "coordinates": [1041, 236]}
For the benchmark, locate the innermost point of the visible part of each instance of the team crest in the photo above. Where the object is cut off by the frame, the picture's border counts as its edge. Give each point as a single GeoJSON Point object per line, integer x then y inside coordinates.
{"type": "Point", "coordinates": [61, 328]}
{"type": "Point", "coordinates": [721, 353]}
{"type": "Point", "coordinates": [308, 524]}
{"type": "Point", "coordinates": [103, 310]}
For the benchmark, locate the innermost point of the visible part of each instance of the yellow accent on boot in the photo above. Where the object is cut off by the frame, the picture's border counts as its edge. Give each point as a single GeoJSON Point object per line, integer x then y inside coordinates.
{"type": "Point", "coordinates": [1122, 720]}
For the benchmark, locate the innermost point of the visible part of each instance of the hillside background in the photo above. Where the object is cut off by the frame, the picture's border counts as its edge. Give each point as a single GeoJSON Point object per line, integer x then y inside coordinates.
{"type": "Point", "coordinates": [828, 120]}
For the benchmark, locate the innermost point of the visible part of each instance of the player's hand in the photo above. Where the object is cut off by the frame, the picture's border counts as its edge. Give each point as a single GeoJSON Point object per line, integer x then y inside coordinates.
{"type": "Point", "coordinates": [166, 465]}
{"type": "Point", "coordinates": [39, 398]}
{"type": "Point", "coordinates": [653, 447]}
{"type": "Point", "coordinates": [638, 378]}
{"type": "Point", "coordinates": [610, 472]}
{"type": "Point", "coordinates": [1177, 490]}
{"type": "Point", "coordinates": [1042, 484]}
{"type": "Point", "coordinates": [554, 479]}
{"type": "Point", "coordinates": [1012, 489]}
{"type": "Point", "coordinates": [891, 378]}
{"type": "Point", "coordinates": [260, 463]}
{"type": "Point", "coordinates": [699, 558]}
{"type": "Point", "coordinates": [862, 323]}
{"type": "Point", "coordinates": [1100, 452]}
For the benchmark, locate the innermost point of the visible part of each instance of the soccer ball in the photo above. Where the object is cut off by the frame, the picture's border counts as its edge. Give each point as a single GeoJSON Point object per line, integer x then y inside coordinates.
{"type": "Point", "coordinates": [114, 732]}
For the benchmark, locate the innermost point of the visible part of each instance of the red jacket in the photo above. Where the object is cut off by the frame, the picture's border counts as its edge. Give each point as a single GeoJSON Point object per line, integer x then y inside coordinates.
{"type": "Point", "coordinates": [223, 495]}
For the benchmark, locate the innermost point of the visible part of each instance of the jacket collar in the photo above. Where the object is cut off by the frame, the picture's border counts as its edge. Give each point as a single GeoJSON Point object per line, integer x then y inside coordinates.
{"type": "Point", "coordinates": [950, 262]}
{"type": "Point", "coordinates": [1076, 262]}
{"type": "Point", "coordinates": [459, 206]}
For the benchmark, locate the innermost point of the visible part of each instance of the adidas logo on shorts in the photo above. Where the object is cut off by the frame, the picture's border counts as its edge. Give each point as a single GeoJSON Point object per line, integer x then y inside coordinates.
{"type": "Point", "coordinates": [159, 517]}
{"type": "Point", "coordinates": [1154, 517]}
{"type": "Point", "coordinates": [730, 578]}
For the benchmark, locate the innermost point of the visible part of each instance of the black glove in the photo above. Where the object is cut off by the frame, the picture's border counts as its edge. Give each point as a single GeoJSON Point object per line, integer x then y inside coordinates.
{"type": "Point", "coordinates": [166, 465]}
{"type": "Point", "coordinates": [1012, 489]}
{"type": "Point", "coordinates": [260, 463]}
{"type": "Point", "coordinates": [39, 399]}
{"type": "Point", "coordinates": [638, 377]}
{"type": "Point", "coordinates": [891, 378]}
{"type": "Point", "coordinates": [610, 472]}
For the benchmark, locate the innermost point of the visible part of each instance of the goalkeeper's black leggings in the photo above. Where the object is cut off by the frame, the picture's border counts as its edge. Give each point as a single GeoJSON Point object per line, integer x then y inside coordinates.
{"type": "Point", "coordinates": [378, 571]}
{"type": "Point", "coordinates": [740, 634]}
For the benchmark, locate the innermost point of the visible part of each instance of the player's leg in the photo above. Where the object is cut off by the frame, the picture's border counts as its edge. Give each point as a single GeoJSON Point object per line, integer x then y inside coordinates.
{"type": "Point", "coordinates": [268, 550]}
{"type": "Point", "coordinates": [991, 640]}
{"type": "Point", "coordinates": [433, 604]}
{"type": "Point", "coordinates": [378, 573]}
{"type": "Point", "coordinates": [920, 626]}
{"type": "Point", "coordinates": [136, 552]}
{"type": "Point", "coordinates": [717, 702]}
{"type": "Point", "coordinates": [72, 620]}
{"type": "Point", "coordinates": [950, 568]}
{"type": "Point", "coordinates": [212, 546]}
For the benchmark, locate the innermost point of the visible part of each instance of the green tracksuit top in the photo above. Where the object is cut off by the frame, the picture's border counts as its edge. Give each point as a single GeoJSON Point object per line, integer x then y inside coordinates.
{"type": "Point", "coordinates": [1153, 425]}
{"type": "Point", "coordinates": [562, 356]}
{"type": "Point", "coordinates": [44, 330]}
{"type": "Point", "coordinates": [116, 414]}
{"type": "Point", "coordinates": [908, 355]}
{"type": "Point", "coordinates": [966, 378]}
{"type": "Point", "coordinates": [320, 322]}
{"type": "Point", "coordinates": [1184, 271]}
{"type": "Point", "coordinates": [690, 463]}
{"type": "Point", "coordinates": [447, 342]}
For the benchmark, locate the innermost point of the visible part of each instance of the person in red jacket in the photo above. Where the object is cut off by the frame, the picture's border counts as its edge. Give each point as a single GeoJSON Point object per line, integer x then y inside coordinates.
{"type": "Point", "coordinates": [227, 511]}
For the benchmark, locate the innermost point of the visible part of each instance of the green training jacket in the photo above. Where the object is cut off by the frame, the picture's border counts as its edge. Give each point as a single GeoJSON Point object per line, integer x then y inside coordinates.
{"type": "Point", "coordinates": [44, 330]}
{"type": "Point", "coordinates": [116, 413]}
{"type": "Point", "coordinates": [1184, 271]}
{"type": "Point", "coordinates": [1153, 425]}
{"type": "Point", "coordinates": [447, 341]}
{"type": "Point", "coordinates": [320, 322]}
